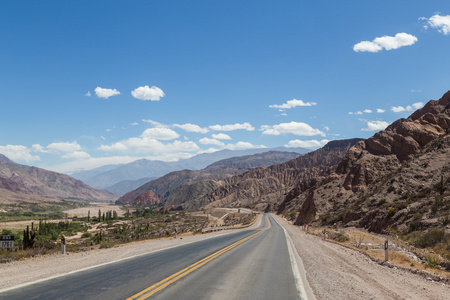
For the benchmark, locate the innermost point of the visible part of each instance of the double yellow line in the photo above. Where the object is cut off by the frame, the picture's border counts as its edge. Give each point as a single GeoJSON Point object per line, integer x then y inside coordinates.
{"type": "Point", "coordinates": [171, 279]}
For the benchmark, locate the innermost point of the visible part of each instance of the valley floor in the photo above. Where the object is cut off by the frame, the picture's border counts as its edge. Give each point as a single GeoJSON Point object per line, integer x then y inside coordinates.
{"type": "Point", "coordinates": [333, 271]}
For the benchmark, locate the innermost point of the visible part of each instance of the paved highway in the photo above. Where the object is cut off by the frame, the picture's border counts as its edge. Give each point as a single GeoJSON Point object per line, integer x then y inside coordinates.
{"type": "Point", "coordinates": [249, 264]}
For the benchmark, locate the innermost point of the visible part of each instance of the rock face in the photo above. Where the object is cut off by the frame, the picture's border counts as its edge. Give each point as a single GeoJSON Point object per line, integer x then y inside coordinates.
{"type": "Point", "coordinates": [27, 180]}
{"type": "Point", "coordinates": [264, 188]}
{"type": "Point", "coordinates": [146, 198]}
{"type": "Point", "coordinates": [382, 180]}
{"type": "Point", "coordinates": [186, 186]}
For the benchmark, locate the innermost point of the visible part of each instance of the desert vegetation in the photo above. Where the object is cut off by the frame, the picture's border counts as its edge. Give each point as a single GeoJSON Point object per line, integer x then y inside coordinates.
{"type": "Point", "coordinates": [105, 229]}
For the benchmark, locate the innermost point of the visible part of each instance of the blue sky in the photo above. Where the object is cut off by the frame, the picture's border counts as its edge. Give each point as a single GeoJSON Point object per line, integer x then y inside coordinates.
{"type": "Point", "coordinates": [88, 83]}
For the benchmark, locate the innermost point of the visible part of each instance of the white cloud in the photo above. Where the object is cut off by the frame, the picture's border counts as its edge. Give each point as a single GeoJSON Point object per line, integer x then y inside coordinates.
{"type": "Point", "coordinates": [134, 124]}
{"type": "Point", "coordinates": [221, 136]}
{"type": "Point", "coordinates": [192, 128]}
{"type": "Point", "coordinates": [375, 125]}
{"type": "Point", "coordinates": [386, 42]}
{"type": "Point", "coordinates": [380, 111]}
{"type": "Point", "coordinates": [367, 111]}
{"type": "Point", "coordinates": [243, 145]}
{"type": "Point", "coordinates": [209, 150]}
{"type": "Point", "coordinates": [39, 148]}
{"type": "Point", "coordinates": [88, 94]}
{"type": "Point", "coordinates": [77, 155]}
{"type": "Point", "coordinates": [307, 144]}
{"type": "Point", "coordinates": [356, 113]}
{"type": "Point", "coordinates": [291, 104]}
{"type": "Point", "coordinates": [153, 93]}
{"type": "Point", "coordinates": [160, 133]}
{"type": "Point", "coordinates": [208, 141]}
{"type": "Point", "coordinates": [18, 153]}
{"type": "Point", "coordinates": [326, 128]}
{"type": "Point", "coordinates": [297, 128]}
{"type": "Point", "coordinates": [441, 23]}
{"type": "Point", "coordinates": [64, 147]}
{"type": "Point", "coordinates": [106, 93]}
{"type": "Point", "coordinates": [113, 147]}
{"type": "Point", "coordinates": [231, 127]}
{"type": "Point", "coordinates": [154, 123]}
{"type": "Point", "coordinates": [366, 46]}
{"type": "Point", "coordinates": [398, 109]}
{"type": "Point", "coordinates": [149, 146]}
{"type": "Point", "coordinates": [418, 105]}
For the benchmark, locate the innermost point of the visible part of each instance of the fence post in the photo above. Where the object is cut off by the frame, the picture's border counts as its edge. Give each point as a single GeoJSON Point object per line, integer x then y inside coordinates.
{"type": "Point", "coordinates": [386, 250]}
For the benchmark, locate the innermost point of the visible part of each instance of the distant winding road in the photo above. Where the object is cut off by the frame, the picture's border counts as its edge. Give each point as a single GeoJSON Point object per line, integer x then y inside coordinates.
{"type": "Point", "coordinates": [248, 264]}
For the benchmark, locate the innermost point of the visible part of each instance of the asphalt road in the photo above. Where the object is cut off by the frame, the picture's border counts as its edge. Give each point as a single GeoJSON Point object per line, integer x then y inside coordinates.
{"type": "Point", "coordinates": [250, 264]}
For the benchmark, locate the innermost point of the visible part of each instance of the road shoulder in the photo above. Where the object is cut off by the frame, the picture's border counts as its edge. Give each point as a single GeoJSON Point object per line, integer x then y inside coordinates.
{"type": "Point", "coordinates": [336, 272]}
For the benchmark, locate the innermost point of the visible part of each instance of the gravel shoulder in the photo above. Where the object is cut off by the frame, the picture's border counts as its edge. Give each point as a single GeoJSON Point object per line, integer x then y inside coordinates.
{"type": "Point", "coordinates": [18, 273]}
{"type": "Point", "coordinates": [335, 272]}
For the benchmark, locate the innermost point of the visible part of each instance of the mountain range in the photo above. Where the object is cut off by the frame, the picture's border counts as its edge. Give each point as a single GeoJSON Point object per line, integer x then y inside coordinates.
{"type": "Point", "coordinates": [168, 186]}
{"type": "Point", "coordinates": [109, 175]}
{"type": "Point", "coordinates": [23, 183]}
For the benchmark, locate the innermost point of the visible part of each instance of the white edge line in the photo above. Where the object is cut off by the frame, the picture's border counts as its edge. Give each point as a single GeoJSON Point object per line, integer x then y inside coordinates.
{"type": "Point", "coordinates": [103, 264]}
{"type": "Point", "coordinates": [295, 270]}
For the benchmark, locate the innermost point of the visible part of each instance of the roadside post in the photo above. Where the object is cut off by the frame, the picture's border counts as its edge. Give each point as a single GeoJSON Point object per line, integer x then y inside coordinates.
{"type": "Point", "coordinates": [386, 250]}
{"type": "Point", "coordinates": [63, 244]}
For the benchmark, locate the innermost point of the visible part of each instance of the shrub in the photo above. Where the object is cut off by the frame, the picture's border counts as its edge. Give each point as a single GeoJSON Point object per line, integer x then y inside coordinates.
{"type": "Point", "coordinates": [432, 261]}
{"type": "Point", "coordinates": [342, 237]}
{"type": "Point", "coordinates": [431, 238]}
{"type": "Point", "coordinates": [390, 212]}
{"type": "Point", "coordinates": [86, 235]}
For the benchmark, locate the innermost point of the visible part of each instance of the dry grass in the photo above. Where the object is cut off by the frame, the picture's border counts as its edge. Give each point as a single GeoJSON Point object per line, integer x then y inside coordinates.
{"type": "Point", "coordinates": [363, 241]}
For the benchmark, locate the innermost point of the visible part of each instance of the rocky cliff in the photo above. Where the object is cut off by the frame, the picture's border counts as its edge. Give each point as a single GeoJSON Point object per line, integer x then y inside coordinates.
{"type": "Point", "coordinates": [387, 179]}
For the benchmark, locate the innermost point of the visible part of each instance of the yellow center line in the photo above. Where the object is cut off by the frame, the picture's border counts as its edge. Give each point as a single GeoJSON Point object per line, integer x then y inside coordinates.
{"type": "Point", "coordinates": [171, 279]}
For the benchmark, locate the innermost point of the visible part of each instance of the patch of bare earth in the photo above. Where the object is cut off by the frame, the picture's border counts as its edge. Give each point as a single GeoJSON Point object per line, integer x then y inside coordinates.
{"type": "Point", "coordinates": [93, 210]}
{"type": "Point", "coordinates": [336, 272]}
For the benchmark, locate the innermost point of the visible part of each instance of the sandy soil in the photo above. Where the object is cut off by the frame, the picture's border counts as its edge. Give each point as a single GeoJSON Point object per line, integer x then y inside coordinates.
{"type": "Point", "coordinates": [83, 211]}
{"type": "Point", "coordinates": [335, 272]}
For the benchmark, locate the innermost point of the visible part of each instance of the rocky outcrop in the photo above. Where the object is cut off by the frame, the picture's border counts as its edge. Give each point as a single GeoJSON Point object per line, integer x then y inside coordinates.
{"type": "Point", "coordinates": [387, 179]}
{"type": "Point", "coordinates": [146, 198]}
{"type": "Point", "coordinates": [401, 141]}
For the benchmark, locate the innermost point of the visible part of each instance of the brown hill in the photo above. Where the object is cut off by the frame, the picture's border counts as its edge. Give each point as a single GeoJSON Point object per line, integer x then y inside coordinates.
{"type": "Point", "coordinates": [24, 180]}
{"type": "Point", "coordinates": [263, 188]}
{"type": "Point", "coordinates": [178, 187]}
{"type": "Point", "coordinates": [386, 180]}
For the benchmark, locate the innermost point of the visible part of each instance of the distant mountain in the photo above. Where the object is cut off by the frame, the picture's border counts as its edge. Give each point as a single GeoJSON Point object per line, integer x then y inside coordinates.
{"type": "Point", "coordinates": [144, 168]}
{"type": "Point", "coordinates": [200, 182]}
{"type": "Point", "coordinates": [20, 181]}
{"type": "Point", "coordinates": [123, 187]}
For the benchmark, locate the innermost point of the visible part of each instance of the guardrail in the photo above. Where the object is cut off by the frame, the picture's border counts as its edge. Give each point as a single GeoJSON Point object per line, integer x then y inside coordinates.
{"type": "Point", "coordinates": [218, 228]}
